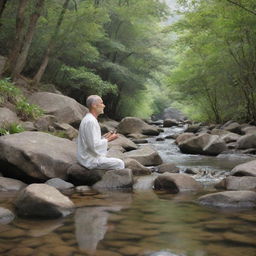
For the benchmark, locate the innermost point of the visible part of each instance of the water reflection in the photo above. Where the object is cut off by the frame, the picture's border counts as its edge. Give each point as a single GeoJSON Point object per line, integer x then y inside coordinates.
{"type": "Point", "coordinates": [91, 222]}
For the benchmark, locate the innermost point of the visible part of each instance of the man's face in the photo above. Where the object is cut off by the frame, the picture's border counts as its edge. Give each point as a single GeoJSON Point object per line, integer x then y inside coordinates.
{"type": "Point", "coordinates": [99, 106]}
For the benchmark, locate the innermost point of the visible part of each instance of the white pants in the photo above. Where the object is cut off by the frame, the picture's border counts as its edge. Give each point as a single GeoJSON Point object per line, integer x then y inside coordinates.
{"type": "Point", "coordinates": [110, 163]}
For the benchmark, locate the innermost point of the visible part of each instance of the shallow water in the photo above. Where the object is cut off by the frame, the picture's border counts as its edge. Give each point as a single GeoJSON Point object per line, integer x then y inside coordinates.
{"type": "Point", "coordinates": [134, 223]}
{"type": "Point", "coordinates": [141, 221]}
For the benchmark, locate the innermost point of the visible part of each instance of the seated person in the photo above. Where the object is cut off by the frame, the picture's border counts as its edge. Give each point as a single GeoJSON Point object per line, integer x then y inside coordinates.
{"type": "Point", "coordinates": [91, 147]}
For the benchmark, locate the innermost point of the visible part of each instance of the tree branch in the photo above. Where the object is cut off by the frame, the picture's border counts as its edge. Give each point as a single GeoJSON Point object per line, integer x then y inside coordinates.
{"type": "Point", "coordinates": [241, 6]}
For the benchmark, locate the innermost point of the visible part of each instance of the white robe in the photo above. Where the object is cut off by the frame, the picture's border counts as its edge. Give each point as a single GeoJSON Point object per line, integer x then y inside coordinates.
{"type": "Point", "coordinates": [92, 149]}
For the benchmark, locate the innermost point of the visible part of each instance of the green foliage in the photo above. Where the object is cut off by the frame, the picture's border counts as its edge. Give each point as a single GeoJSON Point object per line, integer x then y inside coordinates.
{"type": "Point", "coordinates": [11, 128]}
{"type": "Point", "coordinates": [27, 110]}
{"type": "Point", "coordinates": [9, 92]}
{"type": "Point", "coordinates": [60, 134]}
{"type": "Point", "coordinates": [214, 76]}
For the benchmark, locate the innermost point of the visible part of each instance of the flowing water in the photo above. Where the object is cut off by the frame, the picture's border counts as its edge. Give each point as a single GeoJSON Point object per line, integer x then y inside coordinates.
{"type": "Point", "coordinates": [140, 222]}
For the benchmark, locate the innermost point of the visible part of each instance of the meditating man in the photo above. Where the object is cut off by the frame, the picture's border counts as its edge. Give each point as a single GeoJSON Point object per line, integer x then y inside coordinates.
{"type": "Point", "coordinates": [91, 147]}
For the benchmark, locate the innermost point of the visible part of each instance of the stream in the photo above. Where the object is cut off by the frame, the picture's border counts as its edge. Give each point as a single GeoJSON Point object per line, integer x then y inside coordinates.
{"type": "Point", "coordinates": [143, 221]}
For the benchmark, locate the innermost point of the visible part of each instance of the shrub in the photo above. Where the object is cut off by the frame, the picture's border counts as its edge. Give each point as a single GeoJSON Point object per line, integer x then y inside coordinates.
{"type": "Point", "coordinates": [8, 92]}
{"type": "Point", "coordinates": [11, 128]}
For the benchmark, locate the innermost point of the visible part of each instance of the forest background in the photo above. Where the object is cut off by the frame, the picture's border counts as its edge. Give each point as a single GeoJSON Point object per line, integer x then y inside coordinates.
{"type": "Point", "coordinates": [204, 63]}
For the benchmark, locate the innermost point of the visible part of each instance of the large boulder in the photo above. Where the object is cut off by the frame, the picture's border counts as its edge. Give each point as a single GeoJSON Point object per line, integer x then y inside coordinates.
{"type": "Point", "coordinates": [115, 179]}
{"type": "Point", "coordinates": [145, 155]}
{"type": "Point", "coordinates": [66, 109]}
{"type": "Point", "coordinates": [42, 201]}
{"type": "Point", "coordinates": [247, 141]}
{"type": "Point", "coordinates": [7, 117]}
{"type": "Point", "coordinates": [8, 184]}
{"type": "Point", "coordinates": [136, 125]}
{"type": "Point", "coordinates": [245, 169]}
{"type": "Point", "coordinates": [175, 182]}
{"type": "Point", "coordinates": [184, 136]}
{"type": "Point", "coordinates": [240, 183]}
{"type": "Point", "coordinates": [234, 199]}
{"type": "Point", "coordinates": [36, 154]}
{"type": "Point", "coordinates": [204, 143]}
{"type": "Point", "coordinates": [230, 137]}
{"type": "Point", "coordinates": [108, 125]}
{"type": "Point", "coordinates": [248, 129]}
{"type": "Point", "coordinates": [79, 175]}
{"type": "Point", "coordinates": [124, 142]}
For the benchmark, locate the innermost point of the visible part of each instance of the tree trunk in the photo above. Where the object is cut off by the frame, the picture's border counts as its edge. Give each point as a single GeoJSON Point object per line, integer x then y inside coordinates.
{"type": "Point", "coordinates": [43, 66]}
{"type": "Point", "coordinates": [22, 57]}
{"type": "Point", "coordinates": [2, 6]}
{"type": "Point", "coordinates": [19, 36]}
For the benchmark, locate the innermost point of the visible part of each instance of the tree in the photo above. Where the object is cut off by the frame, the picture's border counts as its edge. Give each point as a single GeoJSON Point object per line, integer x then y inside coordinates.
{"type": "Point", "coordinates": [22, 56]}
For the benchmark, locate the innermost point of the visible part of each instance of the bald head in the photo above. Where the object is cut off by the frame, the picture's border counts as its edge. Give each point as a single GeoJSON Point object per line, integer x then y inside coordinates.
{"type": "Point", "coordinates": [91, 100]}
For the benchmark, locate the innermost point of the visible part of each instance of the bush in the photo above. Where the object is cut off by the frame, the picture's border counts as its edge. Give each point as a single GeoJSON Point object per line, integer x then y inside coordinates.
{"type": "Point", "coordinates": [11, 128]}
{"type": "Point", "coordinates": [9, 92]}
{"type": "Point", "coordinates": [26, 110]}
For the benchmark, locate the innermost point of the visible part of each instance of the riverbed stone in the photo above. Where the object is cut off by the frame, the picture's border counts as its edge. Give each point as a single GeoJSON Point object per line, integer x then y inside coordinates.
{"type": "Point", "coordinates": [79, 175]}
{"type": "Point", "coordinates": [193, 128]}
{"type": "Point", "coordinates": [248, 129]}
{"type": "Point", "coordinates": [184, 136]}
{"type": "Point", "coordinates": [170, 122]}
{"type": "Point", "coordinates": [247, 141]}
{"type": "Point", "coordinates": [136, 167]}
{"type": "Point", "coordinates": [28, 126]}
{"type": "Point", "coordinates": [240, 183]}
{"type": "Point", "coordinates": [42, 201]}
{"type": "Point", "coordinates": [226, 199]}
{"type": "Point", "coordinates": [6, 216]}
{"type": "Point", "coordinates": [66, 109]}
{"type": "Point", "coordinates": [124, 142]}
{"type": "Point", "coordinates": [245, 169]}
{"type": "Point", "coordinates": [215, 146]}
{"type": "Point", "coordinates": [59, 184]}
{"type": "Point", "coordinates": [115, 179]}
{"type": "Point", "coordinates": [176, 182]}
{"type": "Point", "coordinates": [136, 125]}
{"type": "Point", "coordinates": [230, 137]}
{"type": "Point", "coordinates": [233, 127]}
{"type": "Point", "coordinates": [9, 184]}
{"type": "Point", "coordinates": [7, 117]}
{"type": "Point", "coordinates": [167, 167]}
{"type": "Point", "coordinates": [36, 155]}
{"type": "Point", "coordinates": [145, 155]}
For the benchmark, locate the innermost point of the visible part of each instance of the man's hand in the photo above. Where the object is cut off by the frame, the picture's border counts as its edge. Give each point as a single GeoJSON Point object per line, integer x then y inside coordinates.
{"type": "Point", "coordinates": [110, 136]}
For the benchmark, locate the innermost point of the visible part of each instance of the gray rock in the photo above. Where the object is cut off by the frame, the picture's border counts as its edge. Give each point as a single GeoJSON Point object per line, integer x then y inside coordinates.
{"type": "Point", "coordinates": [249, 129]}
{"type": "Point", "coordinates": [42, 201]}
{"type": "Point", "coordinates": [170, 122]}
{"type": "Point", "coordinates": [140, 141]}
{"type": "Point", "coordinates": [184, 136]}
{"type": "Point", "coordinates": [241, 183]}
{"type": "Point", "coordinates": [124, 142]}
{"type": "Point", "coordinates": [174, 183]}
{"type": "Point", "coordinates": [7, 117]}
{"type": "Point", "coordinates": [82, 189]}
{"type": "Point", "coordinates": [66, 109]}
{"type": "Point", "coordinates": [193, 128]}
{"type": "Point", "coordinates": [79, 175]}
{"type": "Point", "coordinates": [145, 155]}
{"type": "Point", "coordinates": [136, 125]}
{"type": "Point", "coordinates": [28, 126]}
{"type": "Point", "coordinates": [230, 137]}
{"type": "Point", "coordinates": [233, 127]}
{"type": "Point", "coordinates": [115, 179]}
{"type": "Point", "coordinates": [245, 169]}
{"type": "Point", "coordinates": [136, 167]}
{"type": "Point", "coordinates": [8, 184]}
{"type": "Point", "coordinates": [6, 216]}
{"type": "Point", "coordinates": [70, 131]}
{"type": "Point", "coordinates": [204, 144]}
{"type": "Point", "coordinates": [59, 184]}
{"type": "Point", "coordinates": [230, 199]}
{"type": "Point", "coordinates": [247, 141]}
{"type": "Point", "coordinates": [168, 167]}
{"type": "Point", "coordinates": [43, 122]}
{"type": "Point", "coordinates": [36, 154]}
